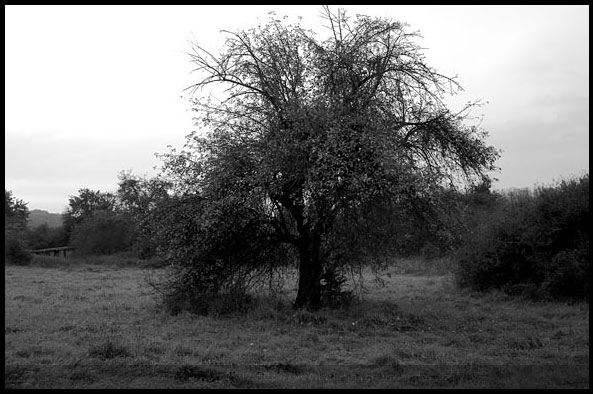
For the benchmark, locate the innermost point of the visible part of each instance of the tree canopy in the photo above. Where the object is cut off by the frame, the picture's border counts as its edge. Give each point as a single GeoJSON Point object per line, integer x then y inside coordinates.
{"type": "Point", "coordinates": [308, 135]}
{"type": "Point", "coordinates": [88, 202]}
{"type": "Point", "coordinates": [16, 213]}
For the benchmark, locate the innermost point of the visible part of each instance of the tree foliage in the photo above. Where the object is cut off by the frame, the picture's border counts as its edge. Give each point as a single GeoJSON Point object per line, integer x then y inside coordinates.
{"type": "Point", "coordinates": [105, 232]}
{"type": "Point", "coordinates": [43, 236]}
{"type": "Point", "coordinates": [215, 249]}
{"type": "Point", "coordinates": [15, 213]}
{"type": "Point", "coordinates": [93, 224]}
{"type": "Point", "coordinates": [311, 135]}
{"type": "Point", "coordinates": [86, 204]}
{"type": "Point", "coordinates": [534, 243]}
{"type": "Point", "coordinates": [138, 198]}
{"type": "Point", "coordinates": [15, 223]}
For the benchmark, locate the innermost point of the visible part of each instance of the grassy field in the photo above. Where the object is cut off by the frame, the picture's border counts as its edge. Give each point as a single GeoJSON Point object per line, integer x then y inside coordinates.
{"type": "Point", "coordinates": [88, 325]}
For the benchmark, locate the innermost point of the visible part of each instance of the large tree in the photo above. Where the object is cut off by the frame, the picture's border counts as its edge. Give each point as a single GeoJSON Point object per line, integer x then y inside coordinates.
{"type": "Point", "coordinates": [304, 133]}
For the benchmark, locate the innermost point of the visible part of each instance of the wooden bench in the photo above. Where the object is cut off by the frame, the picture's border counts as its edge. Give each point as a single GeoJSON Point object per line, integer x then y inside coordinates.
{"type": "Point", "coordinates": [63, 252]}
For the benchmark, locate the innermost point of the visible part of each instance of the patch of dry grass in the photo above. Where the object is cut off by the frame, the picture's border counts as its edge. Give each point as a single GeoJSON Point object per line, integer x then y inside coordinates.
{"type": "Point", "coordinates": [98, 326]}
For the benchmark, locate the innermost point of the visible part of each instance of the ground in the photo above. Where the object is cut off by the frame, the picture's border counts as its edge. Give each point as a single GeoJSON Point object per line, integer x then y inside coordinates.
{"type": "Point", "coordinates": [98, 325]}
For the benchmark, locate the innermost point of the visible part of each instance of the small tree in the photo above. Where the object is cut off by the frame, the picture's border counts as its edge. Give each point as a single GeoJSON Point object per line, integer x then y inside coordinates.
{"type": "Point", "coordinates": [15, 223]}
{"type": "Point", "coordinates": [15, 214]}
{"type": "Point", "coordinates": [312, 134]}
{"type": "Point", "coordinates": [85, 205]}
{"type": "Point", "coordinates": [139, 197]}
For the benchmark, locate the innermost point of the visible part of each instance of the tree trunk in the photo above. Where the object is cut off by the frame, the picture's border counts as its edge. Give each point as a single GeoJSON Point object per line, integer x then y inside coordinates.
{"type": "Point", "coordinates": [309, 291]}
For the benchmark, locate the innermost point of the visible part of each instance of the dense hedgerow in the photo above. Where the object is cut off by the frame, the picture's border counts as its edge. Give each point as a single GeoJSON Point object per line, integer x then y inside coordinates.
{"type": "Point", "coordinates": [535, 243]}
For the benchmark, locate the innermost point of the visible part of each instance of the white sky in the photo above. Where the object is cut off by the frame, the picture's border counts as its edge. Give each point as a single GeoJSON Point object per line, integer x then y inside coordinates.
{"type": "Point", "coordinates": [94, 90]}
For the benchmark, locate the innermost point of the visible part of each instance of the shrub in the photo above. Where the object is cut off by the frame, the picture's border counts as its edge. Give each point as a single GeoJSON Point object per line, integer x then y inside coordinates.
{"type": "Point", "coordinates": [333, 294]}
{"type": "Point", "coordinates": [15, 252]}
{"type": "Point", "coordinates": [43, 236]}
{"type": "Point", "coordinates": [103, 233]}
{"type": "Point", "coordinates": [568, 275]}
{"type": "Point", "coordinates": [536, 244]}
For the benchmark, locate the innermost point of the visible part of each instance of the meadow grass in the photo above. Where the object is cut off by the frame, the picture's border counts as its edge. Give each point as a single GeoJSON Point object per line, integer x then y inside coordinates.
{"type": "Point", "coordinates": [97, 324]}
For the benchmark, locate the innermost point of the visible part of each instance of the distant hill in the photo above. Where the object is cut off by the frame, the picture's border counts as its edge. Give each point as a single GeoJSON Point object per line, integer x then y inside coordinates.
{"type": "Point", "coordinates": [37, 217]}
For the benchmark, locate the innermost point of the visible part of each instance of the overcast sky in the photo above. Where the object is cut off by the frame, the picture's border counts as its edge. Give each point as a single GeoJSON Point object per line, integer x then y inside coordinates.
{"type": "Point", "coordinates": [94, 90]}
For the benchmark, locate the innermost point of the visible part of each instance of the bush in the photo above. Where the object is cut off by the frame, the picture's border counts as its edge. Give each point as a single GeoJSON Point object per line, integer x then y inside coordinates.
{"type": "Point", "coordinates": [536, 244]}
{"type": "Point", "coordinates": [104, 233]}
{"type": "Point", "coordinates": [569, 274]}
{"type": "Point", "coordinates": [43, 236]}
{"type": "Point", "coordinates": [15, 252]}
{"type": "Point", "coordinates": [333, 294]}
